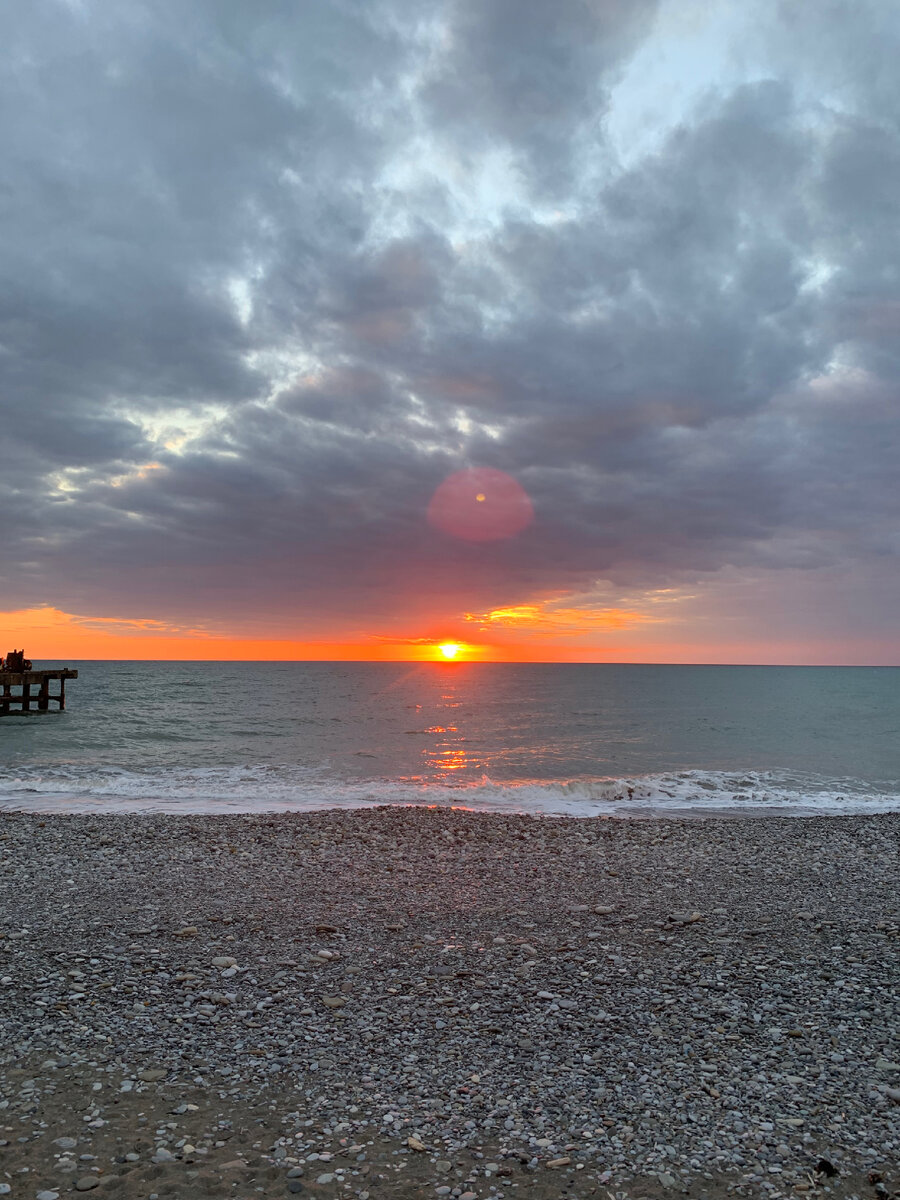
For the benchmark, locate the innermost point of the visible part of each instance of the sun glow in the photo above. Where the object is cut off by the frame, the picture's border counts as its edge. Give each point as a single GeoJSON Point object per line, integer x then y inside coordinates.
{"type": "Point", "coordinates": [449, 649]}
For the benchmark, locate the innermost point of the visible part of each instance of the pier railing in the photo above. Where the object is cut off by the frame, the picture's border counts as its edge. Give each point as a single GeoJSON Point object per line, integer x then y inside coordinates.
{"type": "Point", "coordinates": [27, 701]}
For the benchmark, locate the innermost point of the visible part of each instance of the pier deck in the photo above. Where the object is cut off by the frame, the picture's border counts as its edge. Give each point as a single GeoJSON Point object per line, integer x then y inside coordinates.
{"type": "Point", "coordinates": [25, 700]}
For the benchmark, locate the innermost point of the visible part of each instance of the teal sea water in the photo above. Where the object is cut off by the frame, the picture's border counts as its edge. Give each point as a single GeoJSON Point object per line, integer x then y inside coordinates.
{"type": "Point", "coordinates": [545, 739]}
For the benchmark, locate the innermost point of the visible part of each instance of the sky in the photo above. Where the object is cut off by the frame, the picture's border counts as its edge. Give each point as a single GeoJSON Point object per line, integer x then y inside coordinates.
{"type": "Point", "coordinates": [554, 331]}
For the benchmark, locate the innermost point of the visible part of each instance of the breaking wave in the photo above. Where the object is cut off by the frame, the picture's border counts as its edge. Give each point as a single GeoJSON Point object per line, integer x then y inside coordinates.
{"type": "Point", "coordinates": [279, 788]}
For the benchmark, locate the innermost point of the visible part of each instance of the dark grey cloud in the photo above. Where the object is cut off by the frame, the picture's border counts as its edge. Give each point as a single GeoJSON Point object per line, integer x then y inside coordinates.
{"type": "Point", "coordinates": [270, 274]}
{"type": "Point", "coordinates": [533, 78]}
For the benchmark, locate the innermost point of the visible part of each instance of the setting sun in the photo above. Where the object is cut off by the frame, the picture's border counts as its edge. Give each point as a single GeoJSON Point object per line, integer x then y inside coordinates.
{"type": "Point", "coordinates": [449, 649]}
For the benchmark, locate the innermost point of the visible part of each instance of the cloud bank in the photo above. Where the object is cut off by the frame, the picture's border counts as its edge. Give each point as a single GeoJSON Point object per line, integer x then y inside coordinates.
{"type": "Point", "coordinates": [273, 273]}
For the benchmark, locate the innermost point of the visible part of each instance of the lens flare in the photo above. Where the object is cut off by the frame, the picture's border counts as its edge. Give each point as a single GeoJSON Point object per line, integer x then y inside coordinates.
{"type": "Point", "coordinates": [480, 505]}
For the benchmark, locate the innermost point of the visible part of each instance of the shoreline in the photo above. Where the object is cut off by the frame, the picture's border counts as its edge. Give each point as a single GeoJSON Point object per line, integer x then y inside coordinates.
{"type": "Point", "coordinates": [663, 1002]}
{"type": "Point", "coordinates": [66, 804]}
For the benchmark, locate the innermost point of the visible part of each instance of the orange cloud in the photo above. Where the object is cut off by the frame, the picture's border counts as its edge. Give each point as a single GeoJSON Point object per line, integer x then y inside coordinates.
{"type": "Point", "coordinates": [138, 473]}
{"type": "Point", "coordinates": [545, 621]}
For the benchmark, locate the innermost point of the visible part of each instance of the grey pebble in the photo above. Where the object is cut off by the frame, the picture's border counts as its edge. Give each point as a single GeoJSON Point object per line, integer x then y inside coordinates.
{"type": "Point", "coordinates": [591, 1046]}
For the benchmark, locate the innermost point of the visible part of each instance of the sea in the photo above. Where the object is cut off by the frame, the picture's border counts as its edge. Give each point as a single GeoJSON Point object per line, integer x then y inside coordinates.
{"type": "Point", "coordinates": [544, 739]}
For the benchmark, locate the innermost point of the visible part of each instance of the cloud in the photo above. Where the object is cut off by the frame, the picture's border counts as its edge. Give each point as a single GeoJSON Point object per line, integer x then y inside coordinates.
{"type": "Point", "coordinates": [558, 620]}
{"type": "Point", "coordinates": [531, 79]}
{"type": "Point", "coordinates": [311, 262]}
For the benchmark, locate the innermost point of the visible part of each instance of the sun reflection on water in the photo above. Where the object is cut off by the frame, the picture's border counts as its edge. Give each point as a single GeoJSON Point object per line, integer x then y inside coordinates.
{"type": "Point", "coordinates": [447, 751]}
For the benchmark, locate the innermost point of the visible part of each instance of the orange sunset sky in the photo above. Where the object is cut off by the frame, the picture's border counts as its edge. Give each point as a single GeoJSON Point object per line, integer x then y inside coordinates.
{"type": "Point", "coordinates": [526, 633]}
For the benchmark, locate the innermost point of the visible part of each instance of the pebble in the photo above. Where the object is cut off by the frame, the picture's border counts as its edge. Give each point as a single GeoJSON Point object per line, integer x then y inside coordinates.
{"type": "Point", "coordinates": [47, 1195]}
{"type": "Point", "coordinates": [86, 1183]}
{"type": "Point", "coordinates": [469, 1036]}
{"type": "Point", "coordinates": [152, 1074]}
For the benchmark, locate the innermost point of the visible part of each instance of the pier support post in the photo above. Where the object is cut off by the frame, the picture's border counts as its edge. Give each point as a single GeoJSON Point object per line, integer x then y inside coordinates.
{"type": "Point", "coordinates": [25, 700]}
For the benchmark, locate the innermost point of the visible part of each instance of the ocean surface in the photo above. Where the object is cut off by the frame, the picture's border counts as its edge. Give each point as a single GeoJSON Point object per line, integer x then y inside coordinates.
{"type": "Point", "coordinates": [545, 739]}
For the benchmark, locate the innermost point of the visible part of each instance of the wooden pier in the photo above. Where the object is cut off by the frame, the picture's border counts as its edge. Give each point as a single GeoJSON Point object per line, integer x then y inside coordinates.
{"type": "Point", "coordinates": [25, 700]}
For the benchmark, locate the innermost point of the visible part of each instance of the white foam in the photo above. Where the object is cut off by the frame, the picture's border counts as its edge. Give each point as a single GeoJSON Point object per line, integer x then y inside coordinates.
{"type": "Point", "coordinates": [255, 788]}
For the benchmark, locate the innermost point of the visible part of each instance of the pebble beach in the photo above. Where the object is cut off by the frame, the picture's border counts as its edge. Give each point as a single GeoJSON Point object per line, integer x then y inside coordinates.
{"type": "Point", "coordinates": [438, 1003]}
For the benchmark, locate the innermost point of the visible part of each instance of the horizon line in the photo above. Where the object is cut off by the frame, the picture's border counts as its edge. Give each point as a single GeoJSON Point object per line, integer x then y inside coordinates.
{"type": "Point", "coordinates": [495, 662]}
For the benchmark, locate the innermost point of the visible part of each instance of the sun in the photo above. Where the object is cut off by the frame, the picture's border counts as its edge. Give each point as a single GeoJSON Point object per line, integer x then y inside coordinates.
{"type": "Point", "coordinates": [449, 649]}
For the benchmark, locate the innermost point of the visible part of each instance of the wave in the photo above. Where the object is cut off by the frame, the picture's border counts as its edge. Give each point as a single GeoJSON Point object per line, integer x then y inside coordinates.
{"type": "Point", "coordinates": [77, 788]}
